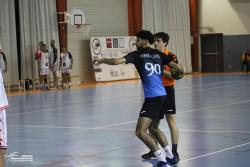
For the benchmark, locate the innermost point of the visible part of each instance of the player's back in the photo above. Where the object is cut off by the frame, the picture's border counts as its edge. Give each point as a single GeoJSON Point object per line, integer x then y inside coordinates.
{"type": "Point", "coordinates": [149, 66]}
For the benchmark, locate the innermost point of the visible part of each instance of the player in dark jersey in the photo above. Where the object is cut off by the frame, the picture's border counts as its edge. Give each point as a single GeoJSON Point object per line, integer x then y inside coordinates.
{"type": "Point", "coordinates": [54, 62]}
{"type": "Point", "coordinates": [161, 41]}
{"type": "Point", "coordinates": [149, 64]}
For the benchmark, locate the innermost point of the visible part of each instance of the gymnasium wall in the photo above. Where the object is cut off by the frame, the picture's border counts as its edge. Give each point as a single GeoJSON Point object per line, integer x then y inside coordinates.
{"type": "Point", "coordinates": [230, 17]}
{"type": "Point", "coordinates": [108, 18]}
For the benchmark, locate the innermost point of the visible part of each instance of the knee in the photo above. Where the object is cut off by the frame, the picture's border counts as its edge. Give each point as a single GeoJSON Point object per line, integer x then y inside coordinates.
{"type": "Point", "coordinates": [153, 130]}
{"type": "Point", "coordinates": [139, 133]}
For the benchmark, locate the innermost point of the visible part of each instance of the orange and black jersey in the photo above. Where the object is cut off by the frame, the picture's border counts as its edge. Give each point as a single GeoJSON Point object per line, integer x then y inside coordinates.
{"type": "Point", "coordinates": [169, 81]}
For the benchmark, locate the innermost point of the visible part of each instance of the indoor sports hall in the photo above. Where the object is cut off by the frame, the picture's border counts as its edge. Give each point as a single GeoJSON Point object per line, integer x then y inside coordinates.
{"type": "Point", "coordinates": [75, 94]}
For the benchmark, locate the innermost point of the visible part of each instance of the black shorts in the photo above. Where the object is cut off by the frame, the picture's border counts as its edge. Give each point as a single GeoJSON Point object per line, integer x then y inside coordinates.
{"type": "Point", "coordinates": [169, 106]}
{"type": "Point", "coordinates": [153, 107]}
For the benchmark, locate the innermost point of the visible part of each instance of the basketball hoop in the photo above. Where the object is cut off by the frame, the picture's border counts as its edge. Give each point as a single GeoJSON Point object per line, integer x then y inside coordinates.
{"type": "Point", "coordinates": [86, 28]}
{"type": "Point", "coordinates": [76, 18]}
{"type": "Point", "coordinates": [83, 28]}
{"type": "Point", "coordinates": [78, 26]}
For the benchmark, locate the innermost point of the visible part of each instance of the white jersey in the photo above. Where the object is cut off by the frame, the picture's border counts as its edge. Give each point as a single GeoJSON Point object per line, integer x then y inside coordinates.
{"type": "Point", "coordinates": [66, 60]}
{"type": "Point", "coordinates": [44, 61]}
{"type": "Point", "coordinates": [3, 99]}
{"type": "Point", "coordinates": [3, 105]}
{"type": "Point", "coordinates": [54, 59]}
{"type": "Point", "coordinates": [2, 63]}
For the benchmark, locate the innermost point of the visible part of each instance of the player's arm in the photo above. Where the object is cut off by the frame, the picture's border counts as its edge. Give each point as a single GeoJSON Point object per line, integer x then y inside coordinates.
{"type": "Point", "coordinates": [5, 62]}
{"type": "Point", "coordinates": [60, 64]}
{"type": "Point", "coordinates": [166, 73]}
{"type": "Point", "coordinates": [71, 65]}
{"type": "Point", "coordinates": [55, 55]}
{"type": "Point", "coordinates": [177, 68]}
{"type": "Point", "coordinates": [170, 60]}
{"type": "Point", "coordinates": [242, 57]}
{"type": "Point", "coordinates": [129, 58]}
{"type": "Point", "coordinates": [111, 61]}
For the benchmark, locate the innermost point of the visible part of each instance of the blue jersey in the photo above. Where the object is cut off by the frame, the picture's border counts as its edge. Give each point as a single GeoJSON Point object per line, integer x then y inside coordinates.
{"type": "Point", "coordinates": [149, 64]}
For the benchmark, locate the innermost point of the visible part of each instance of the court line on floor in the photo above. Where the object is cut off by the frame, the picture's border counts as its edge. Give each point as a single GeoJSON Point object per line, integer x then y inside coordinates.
{"type": "Point", "coordinates": [211, 88]}
{"type": "Point", "coordinates": [182, 161]}
{"type": "Point", "coordinates": [132, 121]}
{"type": "Point", "coordinates": [80, 102]}
{"type": "Point", "coordinates": [105, 102]}
{"type": "Point", "coordinates": [127, 129]}
{"type": "Point", "coordinates": [215, 152]}
{"type": "Point", "coordinates": [217, 106]}
{"type": "Point", "coordinates": [212, 107]}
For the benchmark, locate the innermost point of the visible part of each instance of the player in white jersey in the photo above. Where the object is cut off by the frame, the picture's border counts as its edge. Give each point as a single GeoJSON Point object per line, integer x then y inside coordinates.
{"type": "Point", "coordinates": [44, 67]}
{"type": "Point", "coordinates": [66, 64]}
{"type": "Point", "coordinates": [3, 126]}
{"type": "Point", "coordinates": [54, 62]}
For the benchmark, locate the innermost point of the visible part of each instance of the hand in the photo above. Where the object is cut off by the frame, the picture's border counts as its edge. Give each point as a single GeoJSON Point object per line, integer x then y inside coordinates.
{"type": "Point", "coordinates": [167, 74]}
{"type": "Point", "coordinates": [178, 72]}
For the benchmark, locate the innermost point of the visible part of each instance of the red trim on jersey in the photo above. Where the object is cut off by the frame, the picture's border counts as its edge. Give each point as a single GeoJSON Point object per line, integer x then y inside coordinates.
{"type": "Point", "coordinates": [38, 54]}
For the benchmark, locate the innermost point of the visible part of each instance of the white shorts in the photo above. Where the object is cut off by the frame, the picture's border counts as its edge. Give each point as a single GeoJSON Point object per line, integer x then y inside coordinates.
{"type": "Point", "coordinates": [3, 129]}
{"type": "Point", "coordinates": [65, 70]}
{"type": "Point", "coordinates": [44, 72]}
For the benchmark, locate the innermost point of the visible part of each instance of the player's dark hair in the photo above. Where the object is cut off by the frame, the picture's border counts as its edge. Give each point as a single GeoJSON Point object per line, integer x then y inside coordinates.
{"type": "Point", "coordinates": [164, 36]}
{"type": "Point", "coordinates": [146, 35]}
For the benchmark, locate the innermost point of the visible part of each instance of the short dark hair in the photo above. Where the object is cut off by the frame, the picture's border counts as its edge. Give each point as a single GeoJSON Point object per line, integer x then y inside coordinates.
{"type": "Point", "coordinates": [147, 35]}
{"type": "Point", "coordinates": [164, 36]}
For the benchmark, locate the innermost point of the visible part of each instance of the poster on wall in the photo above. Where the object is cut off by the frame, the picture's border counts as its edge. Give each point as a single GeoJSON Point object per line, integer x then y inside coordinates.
{"type": "Point", "coordinates": [113, 47]}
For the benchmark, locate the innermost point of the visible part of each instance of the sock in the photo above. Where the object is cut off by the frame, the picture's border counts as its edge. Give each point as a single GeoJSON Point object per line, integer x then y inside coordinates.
{"type": "Point", "coordinates": [174, 148]}
{"type": "Point", "coordinates": [160, 156]}
{"type": "Point", "coordinates": [168, 151]}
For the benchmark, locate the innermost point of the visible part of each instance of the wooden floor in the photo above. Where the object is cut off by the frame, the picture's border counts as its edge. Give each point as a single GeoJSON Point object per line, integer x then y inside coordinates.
{"type": "Point", "coordinates": [94, 125]}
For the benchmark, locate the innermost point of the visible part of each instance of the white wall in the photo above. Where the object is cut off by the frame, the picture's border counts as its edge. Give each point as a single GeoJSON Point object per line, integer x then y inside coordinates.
{"type": "Point", "coordinates": [108, 18]}
{"type": "Point", "coordinates": [230, 17]}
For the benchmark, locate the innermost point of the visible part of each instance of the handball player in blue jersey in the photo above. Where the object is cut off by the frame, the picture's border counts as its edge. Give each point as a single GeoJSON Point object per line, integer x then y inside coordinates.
{"type": "Point", "coordinates": [149, 64]}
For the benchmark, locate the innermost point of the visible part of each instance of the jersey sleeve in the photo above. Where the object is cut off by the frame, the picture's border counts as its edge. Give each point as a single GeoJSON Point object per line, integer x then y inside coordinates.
{"type": "Point", "coordinates": [131, 57]}
{"type": "Point", "coordinates": [70, 55]}
{"type": "Point", "coordinates": [166, 59]}
{"type": "Point", "coordinates": [4, 57]}
{"type": "Point", "coordinates": [174, 57]}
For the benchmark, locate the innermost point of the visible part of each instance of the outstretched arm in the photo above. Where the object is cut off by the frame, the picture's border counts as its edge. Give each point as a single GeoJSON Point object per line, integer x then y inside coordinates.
{"type": "Point", "coordinates": [111, 61]}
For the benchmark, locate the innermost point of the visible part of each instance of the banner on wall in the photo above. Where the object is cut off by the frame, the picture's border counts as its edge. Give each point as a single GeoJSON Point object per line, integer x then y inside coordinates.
{"type": "Point", "coordinates": [113, 47]}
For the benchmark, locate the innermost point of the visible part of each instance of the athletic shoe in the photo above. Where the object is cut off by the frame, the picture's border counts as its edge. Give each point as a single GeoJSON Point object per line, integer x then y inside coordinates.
{"type": "Point", "coordinates": [174, 161]}
{"type": "Point", "coordinates": [148, 155]}
{"type": "Point", "coordinates": [177, 156]}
